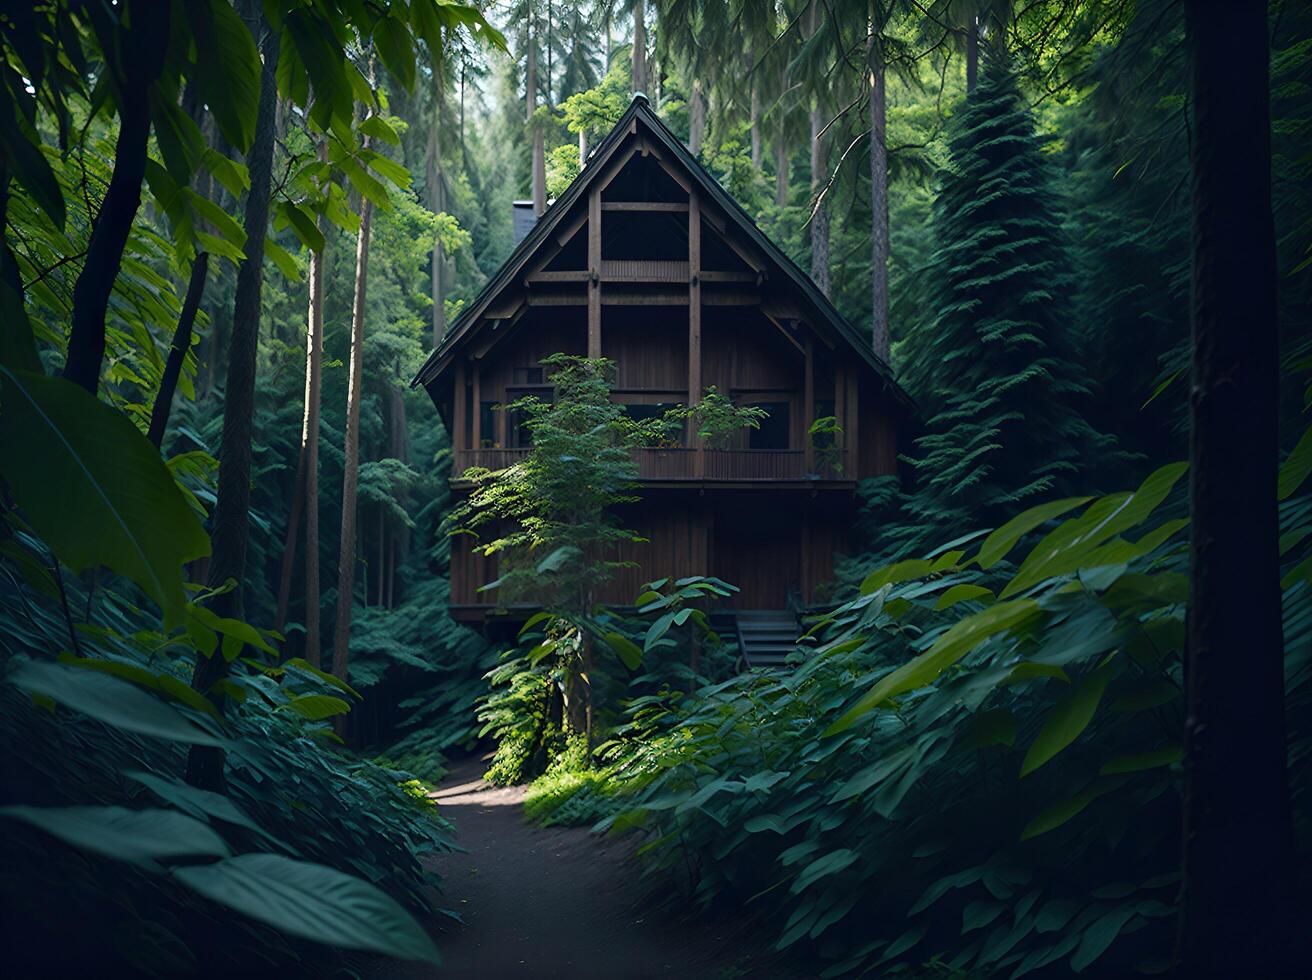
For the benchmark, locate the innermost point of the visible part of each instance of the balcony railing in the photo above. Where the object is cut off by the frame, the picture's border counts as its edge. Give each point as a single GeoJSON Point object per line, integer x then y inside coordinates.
{"type": "Point", "coordinates": [762, 465]}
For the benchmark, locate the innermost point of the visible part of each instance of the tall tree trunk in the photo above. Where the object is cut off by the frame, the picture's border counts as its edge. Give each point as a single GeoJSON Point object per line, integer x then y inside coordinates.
{"type": "Point", "coordinates": [640, 46]}
{"type": "Point", "coordinates": [538, 176]}
{"type": "Point", "coordinates": [231, 523]}
{"type": "Point", "coordinates": [878, 207]}
{"type": "Point", "coordinates": [346, 555]}
{"type": "Point", "coordinates": [142, 59]}
{"type": "Point", "coordinates": [583, 147]}
{"type": "Point", "coordinates": [696, 118]}
{"type": "Point", "coordinates": [819, 178]}
{"type": "Point", "coordinates": [1237, 892]}
{"type": "Point", "coordinates": [781, 169]}
{"type": "Point", "coordinates": [168, 384]}
{"type": "Point", "coordinates": [305, 498]}
{"type": "Point", "coordinates": [756, 123]}
{"type": "Point", "coordinates": [437, 202]}
{"type": "Point", "coordinates": [972, 52]}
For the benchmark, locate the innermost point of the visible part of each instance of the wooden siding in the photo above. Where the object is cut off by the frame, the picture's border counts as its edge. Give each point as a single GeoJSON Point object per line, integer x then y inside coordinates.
{"type": "Point", "coordinates": [778, 548]}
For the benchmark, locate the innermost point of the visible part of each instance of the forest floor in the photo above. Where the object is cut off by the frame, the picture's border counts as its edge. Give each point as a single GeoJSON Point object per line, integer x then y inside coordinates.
{"type": "Point", "coordinates": [552, 902]}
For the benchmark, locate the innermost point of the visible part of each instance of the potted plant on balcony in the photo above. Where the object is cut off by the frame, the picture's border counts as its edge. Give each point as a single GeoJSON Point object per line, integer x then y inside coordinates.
{"type": "Point", "coordinates": [826, 452]}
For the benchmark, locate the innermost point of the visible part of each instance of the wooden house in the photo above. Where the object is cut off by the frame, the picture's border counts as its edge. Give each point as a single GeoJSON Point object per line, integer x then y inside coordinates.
{"type": "Point", "coordinates": [647, 261]}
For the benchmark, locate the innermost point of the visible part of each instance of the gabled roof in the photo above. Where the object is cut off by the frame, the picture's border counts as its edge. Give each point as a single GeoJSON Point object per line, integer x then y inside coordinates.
{"type": "Point", "coordinates": [640, 111]}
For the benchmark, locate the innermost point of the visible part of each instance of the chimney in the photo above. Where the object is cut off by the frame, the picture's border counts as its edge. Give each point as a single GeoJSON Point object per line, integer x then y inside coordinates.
{"type": "Point", "coordinates": [524, 219]}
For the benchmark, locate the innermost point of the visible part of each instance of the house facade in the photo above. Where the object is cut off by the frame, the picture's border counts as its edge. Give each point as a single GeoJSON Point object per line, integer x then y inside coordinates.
{"type": "Point", "coordinates": [647, 261]}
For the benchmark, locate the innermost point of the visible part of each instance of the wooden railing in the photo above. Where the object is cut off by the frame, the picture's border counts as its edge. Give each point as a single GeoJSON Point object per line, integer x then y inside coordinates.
{"type": "Point", "coordinates": [679, 463]}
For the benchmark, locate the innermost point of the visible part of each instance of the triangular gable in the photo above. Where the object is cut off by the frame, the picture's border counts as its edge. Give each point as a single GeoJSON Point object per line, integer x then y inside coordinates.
{"type": "Point", "coordinates": [552, 231]}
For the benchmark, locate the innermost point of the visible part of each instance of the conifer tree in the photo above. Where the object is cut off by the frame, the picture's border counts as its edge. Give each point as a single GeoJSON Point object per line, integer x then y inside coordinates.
{"type": "Point", "coordinates": [993, 371]}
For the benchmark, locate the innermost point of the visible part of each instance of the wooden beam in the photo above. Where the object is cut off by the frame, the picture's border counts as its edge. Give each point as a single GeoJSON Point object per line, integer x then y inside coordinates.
{"type": "Point", "coordinates": [749, 257]}
{"type": "Point", "coordinates": [854, 413]}
{"type": "Point", "coordinates": [713, 275]}
{"type": "Point", "coordinates": [477, 420]}
{"type": "Point", "coordinates": [580, 275]}
{"type": "Point", "coordinates": [840, 401]}
{"type": "Point", "coordinates": [458, 409]}
{"type": "Point", "coordinates": [674, 206]}
{"type": "Point", "coordinates": [594, 272]}
{"type": "Point", "coordinates": [695, 321]}
{"type": "Point", "coordinates": [808, 405]}
{"type": "Point", "coordinates": [787, 334]}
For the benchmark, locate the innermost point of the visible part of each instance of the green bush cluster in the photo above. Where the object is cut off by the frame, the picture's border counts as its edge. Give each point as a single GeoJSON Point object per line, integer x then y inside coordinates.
{"type": "Point", "coordinates": [973, 766]}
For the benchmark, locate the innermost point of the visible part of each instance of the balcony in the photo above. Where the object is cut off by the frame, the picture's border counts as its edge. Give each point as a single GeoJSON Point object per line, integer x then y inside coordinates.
{"type": "Point", "coordinates": [684, 465]}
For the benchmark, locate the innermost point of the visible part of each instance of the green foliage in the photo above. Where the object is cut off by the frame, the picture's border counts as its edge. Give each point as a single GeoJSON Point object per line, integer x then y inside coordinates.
{"type": "Point", "coordinates": [719, 421]}
{"type": "Point", "coordinates": [835, 795]}
{"type": "Point", "coordinates": [994, 370]}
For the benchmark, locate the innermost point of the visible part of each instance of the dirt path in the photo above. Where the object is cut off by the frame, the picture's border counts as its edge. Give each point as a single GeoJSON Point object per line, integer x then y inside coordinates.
{"type": "Point", "coordinates": [563, 902]}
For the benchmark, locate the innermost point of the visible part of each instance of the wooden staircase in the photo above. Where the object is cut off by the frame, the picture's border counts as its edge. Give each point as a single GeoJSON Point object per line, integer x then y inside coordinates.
{"type": "Point", "coordinates": [766, 637]}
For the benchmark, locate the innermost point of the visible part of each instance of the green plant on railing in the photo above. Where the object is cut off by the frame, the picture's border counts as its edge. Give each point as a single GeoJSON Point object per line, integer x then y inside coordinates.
{"type": "Point", "coordinates": [719, 421]}
{"type": "Point", "coordinates": [825, 434]}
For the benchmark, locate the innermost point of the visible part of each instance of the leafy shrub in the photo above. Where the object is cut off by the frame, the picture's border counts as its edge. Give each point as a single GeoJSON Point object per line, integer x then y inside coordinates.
{"type": "Point", "coordinates": [311, 846]}
{"type": "Point", "coordinates": [974, 764]}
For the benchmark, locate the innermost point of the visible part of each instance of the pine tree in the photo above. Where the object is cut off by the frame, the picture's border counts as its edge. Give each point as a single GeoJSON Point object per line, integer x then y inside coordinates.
{"type": "Point", "coordinates": [994, 371]}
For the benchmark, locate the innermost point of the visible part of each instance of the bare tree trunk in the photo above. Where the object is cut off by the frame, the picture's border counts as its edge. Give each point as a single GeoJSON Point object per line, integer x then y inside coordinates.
{"type": "Point", "coordinates": [640, 46]}
{"type": "Point", "coordinates": [583, 147]}
{"type": "Point", "coordinates": [879, 338]}
{"type": "Point", "coordinates": [143, 59]}
{"type": "Point", "coordinates": [819, 178]}
{"type": "Point", "coordinates": [305, 497]}
{"type": "Point", "coordinates": [346, 555]}
{"type": "Point", "coordinates": [168, 384]}
{"type": "Point", "coordinates": [780, 169]}
{"type": "Point", "coordinates": [1237, 896]}
{"type": "Point", "coordinates": [756, 125]}
{"type": "Point", "coordinates": [972, 53]}
{"type": "Point", "coordinates": [232, 511]}
{"type": "Point", "coordinates": [820, 210]}
{"type": "Point", "coordinates": [437, 202]}
{"type": "Point", "coordinates": [538, 177]}
{"type": "Point", "coordinates": [696, 118]}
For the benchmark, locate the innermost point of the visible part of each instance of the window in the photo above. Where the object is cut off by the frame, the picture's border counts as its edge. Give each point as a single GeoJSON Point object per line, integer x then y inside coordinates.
{"type": "Point", "coordinates": [489, 417]}
{"type": "Point", "coordinates": [529, 376]}
{"type": "Point", "coordinates": [653, 411]}
{"type": "Point", "coordinates": [823, 409]}
{"type": "Point", "coordinates": [517, 433]}
{"type": "Point", "coordinates": [773, 433]}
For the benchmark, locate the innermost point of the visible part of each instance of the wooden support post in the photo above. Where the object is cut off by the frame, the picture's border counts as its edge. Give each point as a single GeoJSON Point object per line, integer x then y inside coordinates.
{"type": "Point", "coordinates": [853, 468]}
{"type": "Point", "coordinates": [840, 403]}
{"type": "Point", "coordinates": [458, 409]}
{"type": "Point", "coordinates": [808, 404]}
{"type": "Point", "coordinates": [695, 322]}
{"type": "Point", "coordinates": [594, 273]}
{"type": "Point", "coordinates": [477, 417]}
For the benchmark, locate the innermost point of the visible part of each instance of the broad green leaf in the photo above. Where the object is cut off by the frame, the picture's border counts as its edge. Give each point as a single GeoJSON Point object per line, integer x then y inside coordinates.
{"type": "Point", "coordinates": [901, 571]}
{"type": "Point", "coordinates": [301, 663]}
{"type": "Point", "coordinates": [379, 128]}
{"type": "Point", "coordinates": [1295, 469]}
{"type": "Point", "coordinates": [284, 261]}
{"type": "Point", "coordinates": [313, 902]}
{"type": "Point", "coordinates": [111, 701]}
{"type": "Point", "coordinates": [1054, 816]}
{"type": "Point", "coordinates": [1001, 541]}
{"type": "Point", "coordinates": [996, 726]}
{"type": "Point", "coordinates": [533, 620]}
{"type": "Point", "coordinates": [958, 641]}
{"type": "Point", "coordinates": [396, 49]}
{"type": "Point", "coordinates": [1066, 548]}
{"type": "Point", "coordinates": [962, 593]}
{"type": "Point", "coordinates": [1167, 755]}
{"type": "Point", "coordinates": [1028, 671]}
{"type": "Point", "coordinates": [317, 707]}
{"type": "Point", "coordinates": [1067, 719]}
{"type": "Point", "coordinates": [165, 684]}
{"type": "Point", "coordinates": [94, 488]}
{"type": "Point", "coordinates": [227, 68]}
{"type": "Point", "coordinates": [199, 803]}
{"type": "Point", "coordinates": [137, 836]}
{"type": "Point", "coordinates": [1100, 935]}
{"type": "Point", "coordinates": [625, 649]}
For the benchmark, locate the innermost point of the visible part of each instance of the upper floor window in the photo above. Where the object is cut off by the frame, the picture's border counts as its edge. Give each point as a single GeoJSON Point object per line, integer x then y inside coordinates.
{"type": "Point", "coordinates": [773, 433]}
